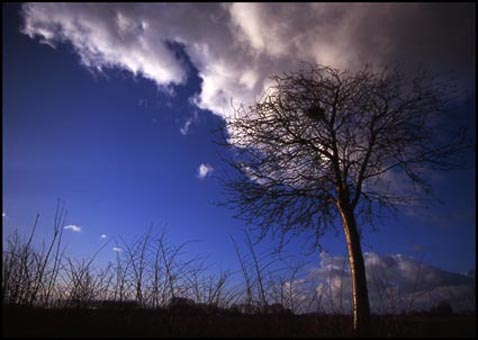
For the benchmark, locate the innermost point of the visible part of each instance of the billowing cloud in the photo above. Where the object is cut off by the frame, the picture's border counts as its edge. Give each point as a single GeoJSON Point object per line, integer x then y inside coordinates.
{"type": "Point", "coordinates": [204, 170]}
{"type": "Point", "coordinates": [236, 47]}
{"type": "Point", "coordinates": [395, 282]}
{"type": "Point", "coordinates": [105, 36]}
{"type": "Point", "coordinates": [74, 228]}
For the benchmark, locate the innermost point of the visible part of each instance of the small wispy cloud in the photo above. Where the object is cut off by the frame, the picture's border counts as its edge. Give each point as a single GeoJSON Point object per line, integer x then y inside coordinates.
{"type": "Point", "coordinates": [184, 130]}
{"type": "Point", "coordinates": [193, 119]}
{"type": "Point", "coordinates": [417, 248]}
{"type": "Point", "coordinates": [72, 227]}
{"type": "Point", "coordinates": [103, 236]}
{"type": "Point", "coordinates": [117, 249]}
{"type": "Point", "coordinates": [3, 214]}
{"type": "Point", "coordinates": [204, 170]}
{"type": "Point", "coordinates": [143, 103]}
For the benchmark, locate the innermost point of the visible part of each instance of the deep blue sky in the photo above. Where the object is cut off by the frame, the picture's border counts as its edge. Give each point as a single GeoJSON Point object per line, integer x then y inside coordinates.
{"type": "Point", "coordinates": [110, 146]}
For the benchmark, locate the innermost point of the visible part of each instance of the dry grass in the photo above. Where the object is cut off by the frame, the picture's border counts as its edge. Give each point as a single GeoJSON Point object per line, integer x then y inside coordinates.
{"type": "Point", "coordinates": [155, 289]}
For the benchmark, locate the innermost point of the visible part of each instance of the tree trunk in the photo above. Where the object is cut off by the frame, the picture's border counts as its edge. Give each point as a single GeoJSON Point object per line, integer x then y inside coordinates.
{"type": "Point", "coordinates": [361, 308]}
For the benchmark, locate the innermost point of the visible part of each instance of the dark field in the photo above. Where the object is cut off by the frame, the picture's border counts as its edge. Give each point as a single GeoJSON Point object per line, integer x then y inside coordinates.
{"type": "Point", "coordinates": [30, 322]}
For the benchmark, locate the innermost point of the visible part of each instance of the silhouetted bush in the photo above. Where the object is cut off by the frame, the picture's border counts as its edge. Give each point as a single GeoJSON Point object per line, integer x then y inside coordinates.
{"type": "Point", "coordinates": [443, 308]}
{"type": "Point", "coordinates": [277, 308]}
{"type": "Point", "coordinates": [153, 290]}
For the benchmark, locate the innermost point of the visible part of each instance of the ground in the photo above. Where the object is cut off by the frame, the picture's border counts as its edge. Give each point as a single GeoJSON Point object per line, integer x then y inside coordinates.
{"type": "Point", "coordinates": [27, 322]}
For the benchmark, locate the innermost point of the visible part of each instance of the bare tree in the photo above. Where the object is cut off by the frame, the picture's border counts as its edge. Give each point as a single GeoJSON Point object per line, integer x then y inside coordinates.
{"type": "Point", "coordinates": [324, 144]}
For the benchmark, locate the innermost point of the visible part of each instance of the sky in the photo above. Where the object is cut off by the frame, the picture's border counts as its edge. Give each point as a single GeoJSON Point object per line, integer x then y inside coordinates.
{"type": "Point", "coordinates": [111, 107]}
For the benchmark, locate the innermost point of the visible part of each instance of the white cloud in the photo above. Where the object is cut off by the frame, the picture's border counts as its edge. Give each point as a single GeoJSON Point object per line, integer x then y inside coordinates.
{"type": "Point", "coordinates": [257, 28]}
{"type": "Point", "coordinates": [74, 228]}
{"type": "Point", "coordinates": [106, 36]}
{"type": "Point", "coordinates": [117, 249]}
{"type": "Point", "coordinates": [103, 236]}
{"type": "Point", "coordinates": [395, 283]}
{"type": "Point", "coordinates": [236, 47]}
{"type": "Point", "coordinates": [204, 170]}
{"type": "Point", "coordinates": [3, 214]}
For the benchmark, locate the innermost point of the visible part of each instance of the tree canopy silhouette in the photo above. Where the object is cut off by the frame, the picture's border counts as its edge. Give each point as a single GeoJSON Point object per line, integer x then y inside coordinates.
{"type": "Point", "coordinates": [324, 144]}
